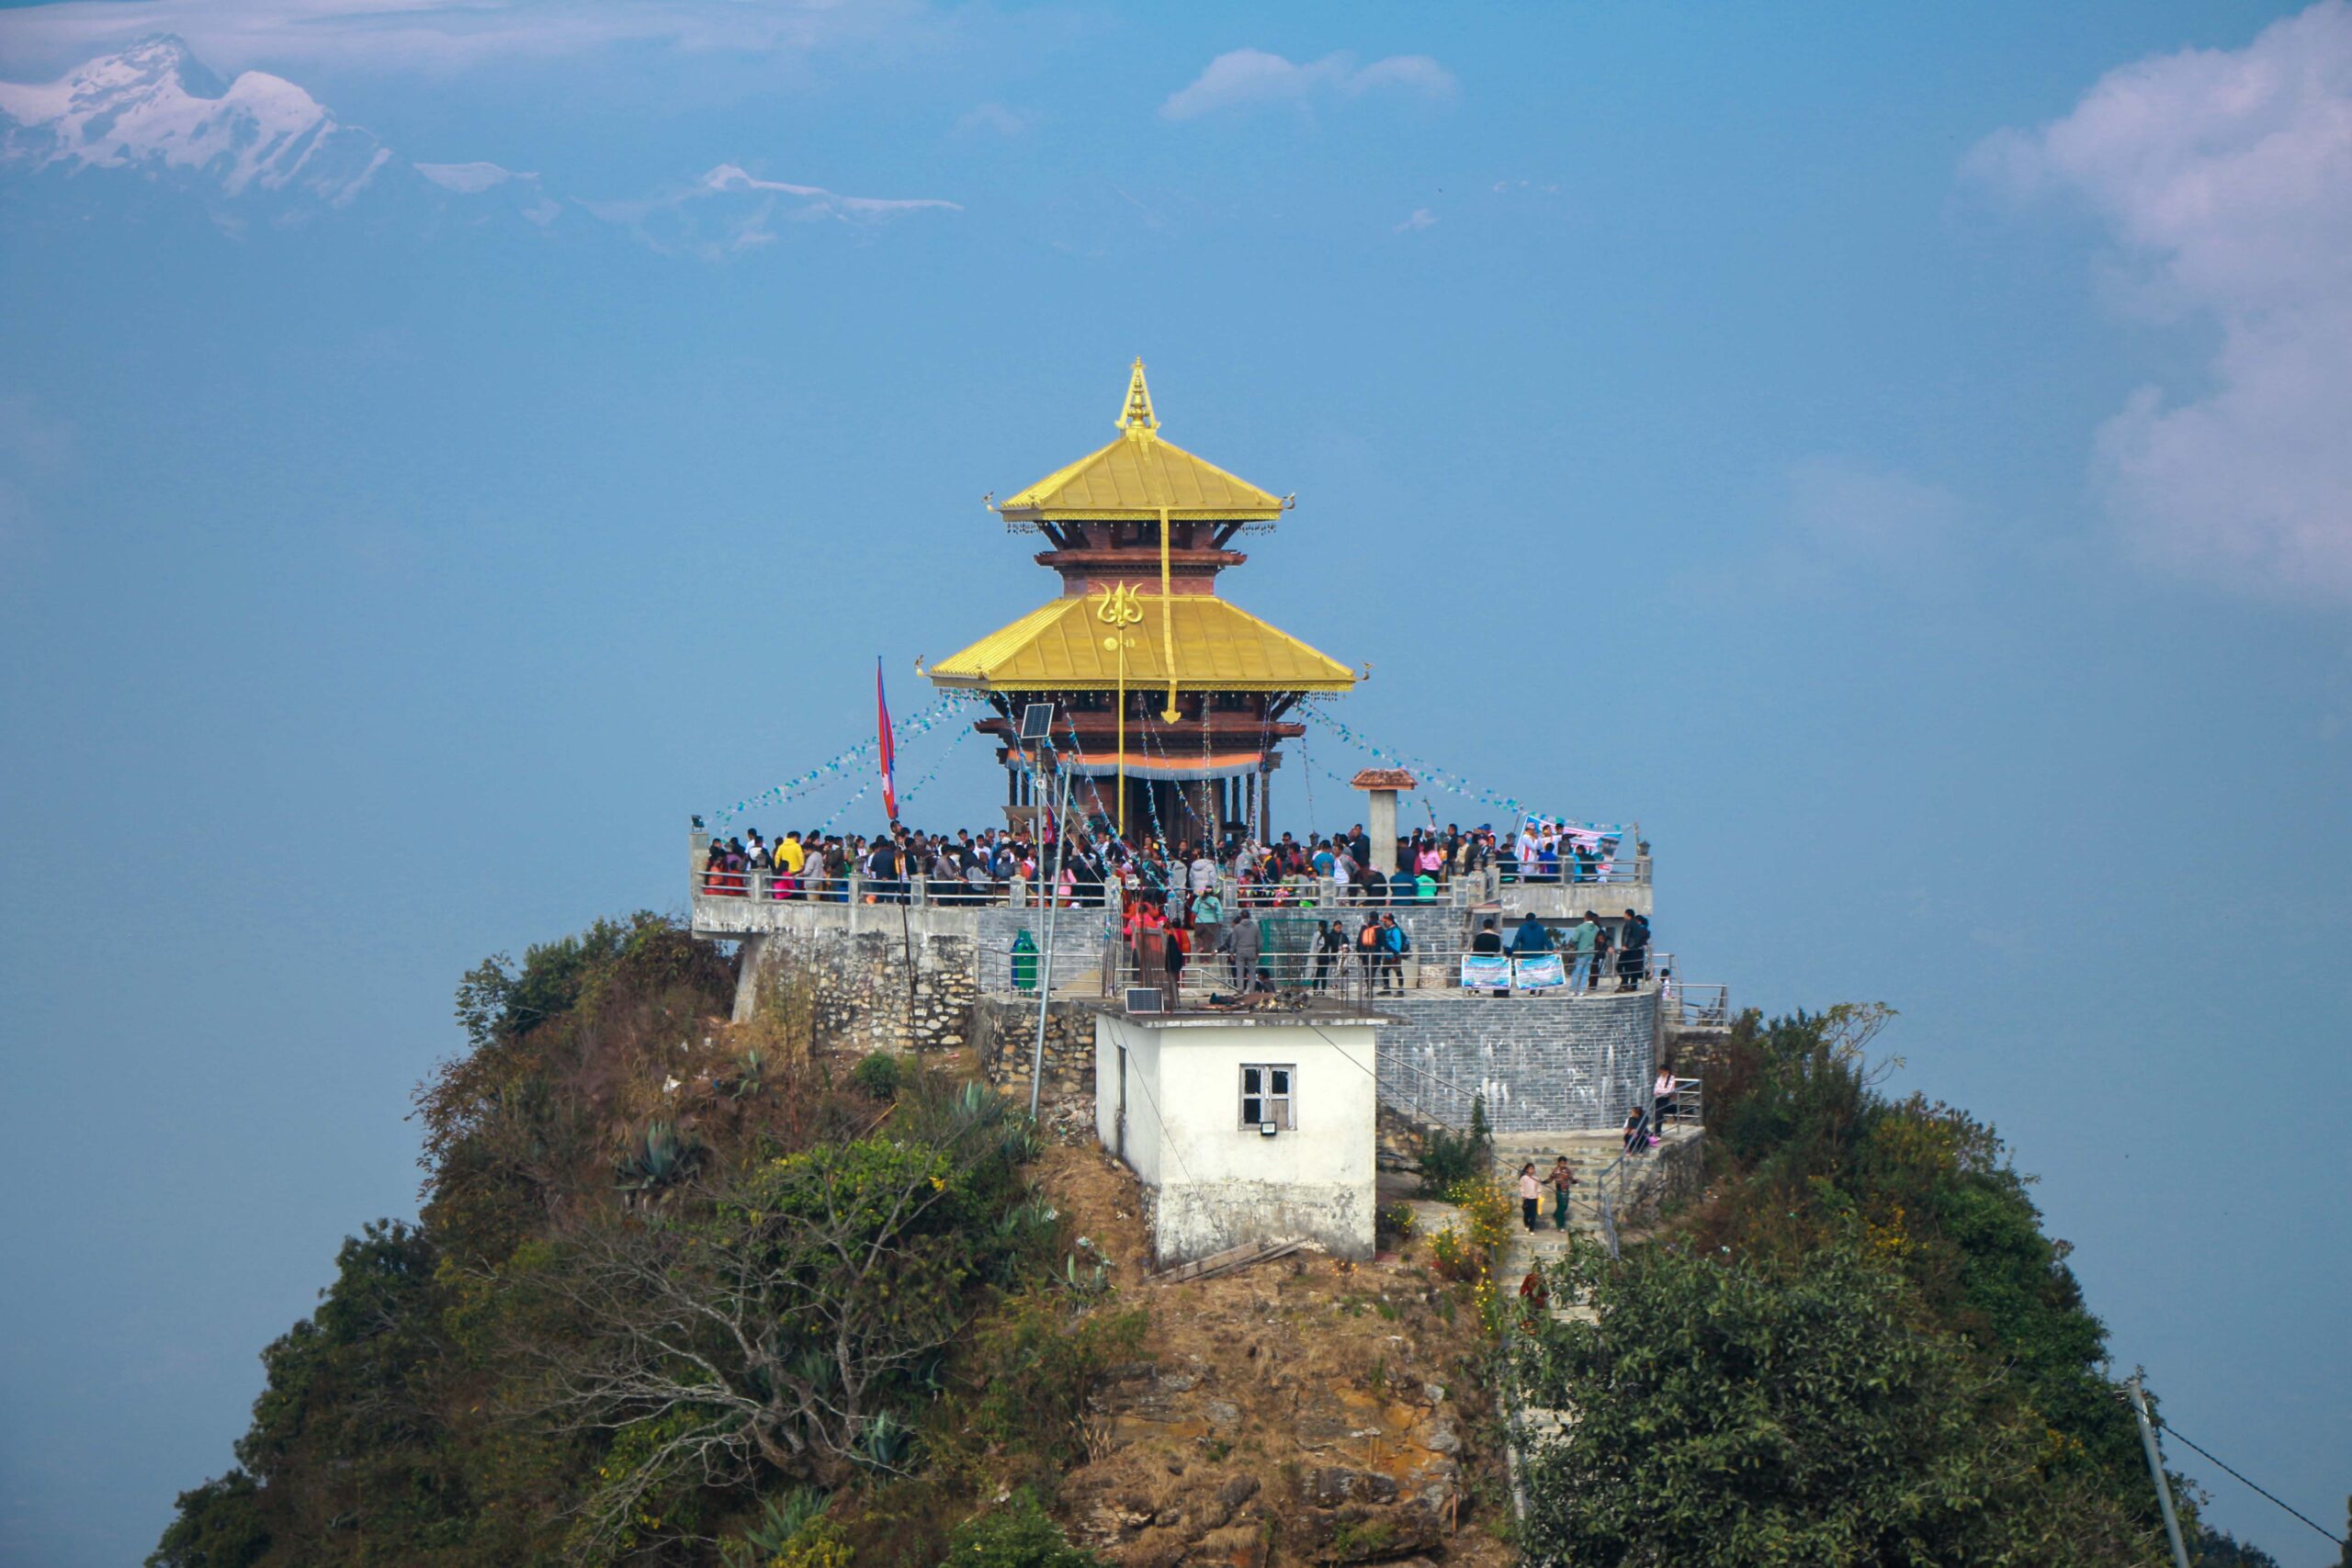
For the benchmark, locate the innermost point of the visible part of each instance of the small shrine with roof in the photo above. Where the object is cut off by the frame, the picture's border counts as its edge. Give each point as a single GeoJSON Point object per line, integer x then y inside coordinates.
{"type": "Point", "coordinates": [1168, 702]}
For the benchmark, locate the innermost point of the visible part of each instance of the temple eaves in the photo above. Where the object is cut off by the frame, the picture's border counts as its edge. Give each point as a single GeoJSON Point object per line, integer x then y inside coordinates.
{"type": "Point", "coordinates": [1217, 645]}
{"type": "Point", "coordinates": [1142, 475]}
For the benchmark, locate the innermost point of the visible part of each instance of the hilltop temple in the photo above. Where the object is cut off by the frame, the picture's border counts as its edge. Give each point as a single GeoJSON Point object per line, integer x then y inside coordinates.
{"type": "Point", "coordinates": [1275, 1085]}
{"type": "Point", "coordinates": [1168, 702]}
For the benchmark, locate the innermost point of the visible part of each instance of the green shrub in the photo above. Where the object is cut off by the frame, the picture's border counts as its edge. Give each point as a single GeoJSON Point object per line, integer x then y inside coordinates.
{"type": "Point", "coordinates": [1017, 1535]}
{"type": "Point", "coordinates": [1450, 1158]}
{"type": "Point", "coordinates": [878, 1075]}
{"type": "Point", "coordinates": [1035, 1364]}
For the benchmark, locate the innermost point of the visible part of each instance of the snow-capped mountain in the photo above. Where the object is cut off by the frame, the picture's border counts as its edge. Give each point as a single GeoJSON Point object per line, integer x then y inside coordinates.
{"type": "Point", "coordinates": [153, 113]}
{"type": "Point", "coordinates": [154, 107]}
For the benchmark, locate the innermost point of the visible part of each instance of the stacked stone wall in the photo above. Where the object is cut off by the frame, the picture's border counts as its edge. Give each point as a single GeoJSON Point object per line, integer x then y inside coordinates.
{"type": "Point", "coordinates": [1698, 1054]}
{"type": "Point", "coordinates": [1004, 1036]}
{"type": "Point", "coordinates": [856, 965]}
{"type": "Point", "coordinates": [858, 985]}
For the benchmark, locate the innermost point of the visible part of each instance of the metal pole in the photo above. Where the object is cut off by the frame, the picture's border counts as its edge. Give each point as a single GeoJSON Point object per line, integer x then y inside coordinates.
{"type": "Point", "coordinates": [1045, 966]}
{"type": "Point", "coordinates": [2156, 1469]}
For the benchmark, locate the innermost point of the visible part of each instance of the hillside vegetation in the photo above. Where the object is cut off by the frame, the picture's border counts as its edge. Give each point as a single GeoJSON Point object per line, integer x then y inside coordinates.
{"type": "Point", "coordinates": [687, 1292]}
{"type": "Point", "coordinates": [675, 1295]}
{"type": "Point", "coordinates": [1859, 1347]}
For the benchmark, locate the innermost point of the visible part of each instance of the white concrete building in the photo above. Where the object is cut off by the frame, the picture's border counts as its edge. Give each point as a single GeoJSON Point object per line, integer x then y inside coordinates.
{"type": "Point", "coordinates": [1245, 1126]}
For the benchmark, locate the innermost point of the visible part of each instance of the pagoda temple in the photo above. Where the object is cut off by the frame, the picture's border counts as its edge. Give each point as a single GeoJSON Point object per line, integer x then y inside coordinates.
{"type": "Point", "coordinates": [1168, 702]}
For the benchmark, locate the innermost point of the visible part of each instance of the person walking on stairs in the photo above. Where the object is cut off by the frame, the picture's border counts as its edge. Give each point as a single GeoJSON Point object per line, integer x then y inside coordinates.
{"type": "Point", "coordinates": [1531, 1196]}
{"type": "Point", "coordinates": [1563, 1177]}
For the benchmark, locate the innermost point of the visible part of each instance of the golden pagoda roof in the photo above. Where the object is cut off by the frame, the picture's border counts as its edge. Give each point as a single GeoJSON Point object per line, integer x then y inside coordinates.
{"type": "Point", "coordinates": [1140, 475]}
{"type": "Point", "coordinates": [1219, 647]}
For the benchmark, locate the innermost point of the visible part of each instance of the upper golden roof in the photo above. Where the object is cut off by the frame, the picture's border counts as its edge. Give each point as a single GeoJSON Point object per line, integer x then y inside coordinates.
{"type": "Point", "coordinates": [1140, 476]}
{"type": "Point", "coordinates": [1218, 646]}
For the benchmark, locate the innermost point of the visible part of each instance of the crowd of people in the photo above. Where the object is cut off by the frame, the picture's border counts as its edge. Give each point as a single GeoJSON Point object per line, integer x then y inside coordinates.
{"type": "Point", "coordinates": [1172, 898]}
{"type": "Point", "coordinates": [1191, 931]}
{"type": "Point", "coordinates": [964, 867]}
{"type": "Point", "coordinates": [1286, 872]}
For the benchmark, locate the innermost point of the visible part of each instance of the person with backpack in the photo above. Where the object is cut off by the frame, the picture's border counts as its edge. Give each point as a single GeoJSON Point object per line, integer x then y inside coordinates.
{"type": "Point", "coordinates": [1368, 951]}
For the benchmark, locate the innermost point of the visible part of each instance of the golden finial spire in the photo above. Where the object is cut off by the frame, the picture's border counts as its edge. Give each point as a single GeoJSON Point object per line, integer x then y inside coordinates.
{"type": "Point", "coordinates": [1136, 418]}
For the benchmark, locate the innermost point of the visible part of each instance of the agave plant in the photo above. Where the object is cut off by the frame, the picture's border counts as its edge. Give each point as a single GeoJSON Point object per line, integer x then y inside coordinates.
{"type": "Point", "coordinates": [750, 1077]}
{"type": "Point", "coordinates": [781, 1520]}
{"type": "Point", "coordinates": [886, 1442]}
{"type": "Point", "coordinates": [658, 1160]}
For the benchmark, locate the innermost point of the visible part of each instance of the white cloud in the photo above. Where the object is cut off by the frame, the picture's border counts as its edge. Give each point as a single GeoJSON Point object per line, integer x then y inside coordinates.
{"type": "Point", "coordinates": [1247, 77]}
{"type": "Point", "coordinates": [2224, 178]}
{"type": "Point", "coordinates": [1420, 219]}
{"type": "Point", "coordinates": [729, 210]}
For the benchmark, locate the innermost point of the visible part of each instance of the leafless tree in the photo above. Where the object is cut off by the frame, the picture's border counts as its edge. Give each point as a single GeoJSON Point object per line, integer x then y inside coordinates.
{"type": "Point", "coordinates": [762, 1323]}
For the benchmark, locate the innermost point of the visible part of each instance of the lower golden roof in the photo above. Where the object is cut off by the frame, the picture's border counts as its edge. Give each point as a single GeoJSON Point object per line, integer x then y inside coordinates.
{"type": "Point", "coordinates": [1218, 647]}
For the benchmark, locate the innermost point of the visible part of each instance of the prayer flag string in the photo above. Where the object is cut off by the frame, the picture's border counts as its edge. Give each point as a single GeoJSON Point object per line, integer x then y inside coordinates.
{"type": "Point", "coordinates": [1443, 778]}
{"type": "Point", "coordinates": [949, 706]}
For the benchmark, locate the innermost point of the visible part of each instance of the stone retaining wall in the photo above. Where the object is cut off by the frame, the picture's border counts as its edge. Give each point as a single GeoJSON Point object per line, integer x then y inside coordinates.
{"type": "Point", "coordinates": [1544, 1064]}
{"type": "Point", "coordinates": [1004, 1034]}
{"type": "Point", "coordinates": [855, 960]}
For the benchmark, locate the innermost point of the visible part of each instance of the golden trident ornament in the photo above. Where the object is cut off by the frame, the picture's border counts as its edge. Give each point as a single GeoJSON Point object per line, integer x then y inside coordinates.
{"type": "Point", "coordinates": [1119, 608]}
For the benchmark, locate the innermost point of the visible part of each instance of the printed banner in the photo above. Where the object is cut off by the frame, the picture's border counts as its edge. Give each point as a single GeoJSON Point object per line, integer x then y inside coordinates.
{"type": "Point", "coordinates": [1538, 972]}
{"type": "Point", "coordinates": [1485, 972]}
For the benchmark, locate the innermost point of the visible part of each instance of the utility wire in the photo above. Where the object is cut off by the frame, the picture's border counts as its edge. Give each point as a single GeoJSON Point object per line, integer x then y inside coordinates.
{"type": "Point", "coordinates": [1166, 1139]}
{"type": "Point", "coordinates": [2172, 1430]}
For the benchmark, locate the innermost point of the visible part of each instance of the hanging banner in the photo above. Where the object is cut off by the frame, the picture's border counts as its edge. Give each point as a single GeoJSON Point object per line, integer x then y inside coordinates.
{"type": "Point", "coordinates": [1538, 972]}
{"type": "Point", "coordinates": [1485, 972]}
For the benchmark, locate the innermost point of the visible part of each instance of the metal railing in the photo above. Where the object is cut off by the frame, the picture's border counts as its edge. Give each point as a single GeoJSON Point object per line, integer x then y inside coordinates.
{"type": "Point", "coordinates": [1457, 890]}
{"type": "Point", "coordinates": [1686, 1107]}
{"type": "Point", "coordinates": [1623, 869]}
{"type": "Point", "coordinates": [1698, 1007]}
{"type": "Point", "coordinates": [771, 886]}
{"type": "Point", "coordinates": [1313, 892]}
{"type": "Point", "coordinates": [1350, 975]}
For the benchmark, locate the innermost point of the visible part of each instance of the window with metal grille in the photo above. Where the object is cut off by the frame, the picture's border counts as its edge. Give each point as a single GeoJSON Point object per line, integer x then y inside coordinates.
{"type": "Point", "coordinates": [1266, 1094]}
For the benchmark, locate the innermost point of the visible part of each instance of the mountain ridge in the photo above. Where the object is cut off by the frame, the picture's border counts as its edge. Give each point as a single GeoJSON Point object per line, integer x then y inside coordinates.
{"type": "Point", "coordinates": [156, 108]}
{"type": "Point", "coordinates": [259, 140]}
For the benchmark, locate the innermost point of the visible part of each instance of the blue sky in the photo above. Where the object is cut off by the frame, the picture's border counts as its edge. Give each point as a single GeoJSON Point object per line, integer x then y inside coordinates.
{"type": "Point", "coordinates": [1895, 456]}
